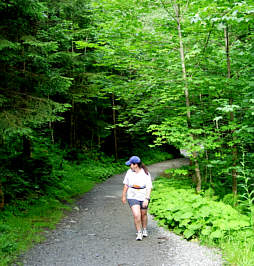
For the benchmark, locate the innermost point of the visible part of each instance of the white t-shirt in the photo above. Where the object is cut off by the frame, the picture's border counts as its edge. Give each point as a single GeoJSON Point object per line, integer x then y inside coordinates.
{"type": "Point", "coordinates": [140, 179]}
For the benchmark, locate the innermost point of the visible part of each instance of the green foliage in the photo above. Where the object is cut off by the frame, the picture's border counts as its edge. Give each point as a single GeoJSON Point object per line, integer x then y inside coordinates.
{"type": "Point", "coordinates": [246, 198]}
{"type": "Point", "coordinates": [26, 71]}
{"type": "Point", "coordinates": [176, 206]}
{"type": "Point", "coordinates": [22, 228]}
{"type": "Point", "coordinates": [229, 199]}
{"type": "Point", "coordinates": [239, 251]}
{"type": "Point", "coordinates": [68, 66]}
{"type": "Point", "coordinates": [194, 215]}
{"type": "Point", "coordinates": [150, 156]}
{"type": "Point", "coordinates": [179, 172]}
{"type": "Point", "coordinates": [63, 63]}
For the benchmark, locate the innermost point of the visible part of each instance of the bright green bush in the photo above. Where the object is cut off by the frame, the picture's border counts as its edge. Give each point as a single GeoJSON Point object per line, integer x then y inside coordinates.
{"type": "Point", "coordinates": [229, 199]}
{"type": "Point", "coordinates": [176, 206]}
{"type": "Point", "coordinates": [192, 215]}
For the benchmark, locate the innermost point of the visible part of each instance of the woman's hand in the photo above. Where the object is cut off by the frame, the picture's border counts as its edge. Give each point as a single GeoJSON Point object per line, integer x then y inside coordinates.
{"type": "Point", "coordinates": [145, 203]}
{"type": "Point", "coordinates": [125, 188]}
{"type": "Point", "coordinates": [123, 199]}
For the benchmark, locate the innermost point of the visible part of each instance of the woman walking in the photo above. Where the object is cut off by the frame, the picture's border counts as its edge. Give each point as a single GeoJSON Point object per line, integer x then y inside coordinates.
{"type": "Point", "coordinates": [137, 186]}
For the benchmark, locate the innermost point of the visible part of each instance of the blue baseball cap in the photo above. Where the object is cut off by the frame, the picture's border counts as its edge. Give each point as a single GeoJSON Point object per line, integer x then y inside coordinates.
{"type": "Point", "coordinates": [133, 159]}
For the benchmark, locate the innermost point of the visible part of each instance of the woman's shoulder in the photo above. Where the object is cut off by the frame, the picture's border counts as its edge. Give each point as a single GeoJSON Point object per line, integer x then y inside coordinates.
{"type": "Point", "coordinates": [144, 173]}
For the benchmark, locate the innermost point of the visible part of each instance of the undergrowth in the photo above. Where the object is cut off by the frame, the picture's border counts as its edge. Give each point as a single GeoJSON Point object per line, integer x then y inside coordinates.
{"type": "Point", "coordinates": [176, 207]}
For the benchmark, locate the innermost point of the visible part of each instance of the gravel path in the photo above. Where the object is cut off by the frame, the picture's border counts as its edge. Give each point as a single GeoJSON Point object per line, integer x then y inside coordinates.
{"type": "Point", "coordinates": [100, 232]}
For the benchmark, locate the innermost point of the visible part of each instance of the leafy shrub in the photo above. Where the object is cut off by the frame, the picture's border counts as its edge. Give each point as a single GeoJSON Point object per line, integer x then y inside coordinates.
{"type": "Point", "coordinates": [151, 155]}
{"type": "Point", "coordinates": [179, 208]}
{"type": "Point", "coordinates": [178, 172]}
{"type": "Point", "coordinates": [229, 199]}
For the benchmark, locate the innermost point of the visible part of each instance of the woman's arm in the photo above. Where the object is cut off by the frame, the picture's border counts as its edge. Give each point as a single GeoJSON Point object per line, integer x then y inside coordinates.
{"type": "Point", "coordinates": [148, 193]}
{"type": "Point", "coordinates": [125, 188]}
{"type": "Point", "coordinates": [146, 201]}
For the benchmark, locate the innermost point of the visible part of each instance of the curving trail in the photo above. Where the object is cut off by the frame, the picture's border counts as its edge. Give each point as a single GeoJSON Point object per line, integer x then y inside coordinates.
{"type": "Point", "coordinates": [100, 231]}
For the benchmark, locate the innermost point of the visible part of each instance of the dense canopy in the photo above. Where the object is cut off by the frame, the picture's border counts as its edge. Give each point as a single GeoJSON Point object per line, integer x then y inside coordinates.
{"type": "Point", "coordinates": [114, 76]}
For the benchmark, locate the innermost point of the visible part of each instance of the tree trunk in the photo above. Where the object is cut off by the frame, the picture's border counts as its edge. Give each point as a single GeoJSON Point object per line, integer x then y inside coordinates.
{"type": "Point", "coordinates": [186, 92]}
{"type": "Point", "coordinates": [51, 132]}
{"type": "Point", "coordinates": [234, 150]}
{"type": "Point", "coordinates": [26, 148]}
{"type": "Point", "coordinates": [72, 129]}
{"type": "Point", "coordinates": [114, 123]}
{"type": "Point", "coordinates": [51, 129]}
{"type": "Point", "coordinates": [1, 197]}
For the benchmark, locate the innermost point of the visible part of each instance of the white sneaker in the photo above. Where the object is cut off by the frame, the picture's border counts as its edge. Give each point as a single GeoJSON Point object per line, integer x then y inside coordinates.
{"type": "Point", "coordinates": [145, 233]}
{"type": "Point", "coordinates": [139, 236]}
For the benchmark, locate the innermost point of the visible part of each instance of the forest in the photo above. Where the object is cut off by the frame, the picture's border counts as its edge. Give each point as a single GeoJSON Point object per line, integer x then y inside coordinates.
{"type": "Point", "coordinates": [85, 84]}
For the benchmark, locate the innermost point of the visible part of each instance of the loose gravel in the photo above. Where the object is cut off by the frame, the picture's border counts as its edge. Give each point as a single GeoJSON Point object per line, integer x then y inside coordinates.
{"type": "Point", "coordinates": [100, 231]}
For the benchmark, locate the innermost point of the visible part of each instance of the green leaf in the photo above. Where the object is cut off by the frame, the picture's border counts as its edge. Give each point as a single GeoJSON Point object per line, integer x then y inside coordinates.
{"type": "Point", "coordinates": [216, 234]}
{"type": "Point", "coordinates": [206, 231]}
{"type": "Point", "coordinates": [180, 215]}
{"type": "Point", "coordinates": [188, 233]}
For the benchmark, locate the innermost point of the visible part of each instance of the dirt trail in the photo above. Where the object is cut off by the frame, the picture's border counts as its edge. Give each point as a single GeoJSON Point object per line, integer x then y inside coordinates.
{"type": "Point", "coordinates": [100, 231]}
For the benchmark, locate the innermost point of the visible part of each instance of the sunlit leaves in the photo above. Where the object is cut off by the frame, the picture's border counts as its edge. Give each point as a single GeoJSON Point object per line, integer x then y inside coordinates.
{"type": "Point", "coordinates": [192, 215]}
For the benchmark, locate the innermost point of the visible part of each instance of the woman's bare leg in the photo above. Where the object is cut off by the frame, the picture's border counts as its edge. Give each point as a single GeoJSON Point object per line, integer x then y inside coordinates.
{"type": "Point", "coordinates": [137, 216]}
{"type": "Point", "coordinates": [144, 218]}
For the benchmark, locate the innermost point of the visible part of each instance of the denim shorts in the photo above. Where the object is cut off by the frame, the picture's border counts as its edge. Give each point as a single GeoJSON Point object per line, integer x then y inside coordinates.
{"type": "Point", "coordinates": [137, 202]}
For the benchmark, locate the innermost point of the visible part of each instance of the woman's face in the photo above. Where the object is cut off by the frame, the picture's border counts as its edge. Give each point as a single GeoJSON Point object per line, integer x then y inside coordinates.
{"type": "Point", "coordinates": [133, 167]}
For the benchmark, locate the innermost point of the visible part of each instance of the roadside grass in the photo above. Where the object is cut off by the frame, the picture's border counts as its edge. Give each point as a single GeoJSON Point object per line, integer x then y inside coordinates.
{"type": "Point", "coordinates": [20, 230]}
{"type": "Point", "coordinates": [177, 207]}
{"type": "Point", "coordinates": [22, 226]}
{"type": "Point", "coordinates": [237, 251]}
{"type": "Point", "coordinates": [23, 222]}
